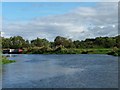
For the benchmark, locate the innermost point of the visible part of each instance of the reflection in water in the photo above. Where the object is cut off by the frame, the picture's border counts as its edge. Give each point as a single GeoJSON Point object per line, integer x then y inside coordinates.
{"type": "Point", "coordinates": [10, 55]}
{"type": "Point", "coordinates": [53, 71]}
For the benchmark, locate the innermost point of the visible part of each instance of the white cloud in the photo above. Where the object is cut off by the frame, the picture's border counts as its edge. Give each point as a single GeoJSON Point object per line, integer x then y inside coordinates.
{"type": "Point", "coordinates": [80, 23]}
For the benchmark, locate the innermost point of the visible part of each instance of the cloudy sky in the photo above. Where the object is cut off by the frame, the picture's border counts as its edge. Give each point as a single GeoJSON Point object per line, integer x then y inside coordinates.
{"type": "Point", "coordinates": [75, 20]}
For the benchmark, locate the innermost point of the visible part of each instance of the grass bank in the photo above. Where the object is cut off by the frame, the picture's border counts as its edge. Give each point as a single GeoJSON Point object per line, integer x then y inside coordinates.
{"type": "Point", "coordinates": [5, 60]}
{"type": "Point", "coordinates": [61, 50]}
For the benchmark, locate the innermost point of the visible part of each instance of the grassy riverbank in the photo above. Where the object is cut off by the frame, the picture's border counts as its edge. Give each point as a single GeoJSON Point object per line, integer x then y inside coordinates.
{"type": "Point", "coordinates": [63, 45]}
{"type": "Point", "coordinates": [61, 50]}
{"type": "Point", "coordinates": [114, 53]}
{"type": "Point", "coordinates": [5, 60]}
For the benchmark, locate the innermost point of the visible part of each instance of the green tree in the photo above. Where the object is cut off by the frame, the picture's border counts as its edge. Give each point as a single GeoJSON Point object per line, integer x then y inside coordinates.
{"type": "Point", "coordinates": [16, 42]}
{"type": "Point", "coordinates": [40, 42]}
{"type": "Point", "coordinates": [118, 41]}
{"type": "Point", "coordinates": [5, 42]}
{"type": "Point", "coordinates": [64, 42]}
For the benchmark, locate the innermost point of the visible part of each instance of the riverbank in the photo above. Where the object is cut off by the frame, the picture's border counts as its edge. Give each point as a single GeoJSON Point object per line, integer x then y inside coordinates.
{"type": "Point", "coordinates": [5, 60]}
{"type": "Point", "coordinates": [60, 50]}
{"type": "Point", "coordinates": [62, 45]}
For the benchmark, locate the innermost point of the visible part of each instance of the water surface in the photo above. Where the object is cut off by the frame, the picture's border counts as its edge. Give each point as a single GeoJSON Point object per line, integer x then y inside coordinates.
{"type": "Point", "coordinates": [61, 71]}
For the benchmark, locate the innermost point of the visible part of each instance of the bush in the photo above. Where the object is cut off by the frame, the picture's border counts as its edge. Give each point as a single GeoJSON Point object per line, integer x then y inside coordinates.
{"type": "Point", "coordinates": [115, 51]}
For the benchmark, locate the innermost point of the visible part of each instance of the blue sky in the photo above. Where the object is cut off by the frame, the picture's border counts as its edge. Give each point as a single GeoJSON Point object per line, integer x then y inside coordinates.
{"type": "Point", "coordinates": [74, 20]}
{"type": "Point", "coordinates": [29, 10]}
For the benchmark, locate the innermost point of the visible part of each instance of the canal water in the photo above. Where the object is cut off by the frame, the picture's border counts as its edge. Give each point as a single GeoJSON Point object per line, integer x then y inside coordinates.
{"type": "Point", "coordinates": [61, 71]}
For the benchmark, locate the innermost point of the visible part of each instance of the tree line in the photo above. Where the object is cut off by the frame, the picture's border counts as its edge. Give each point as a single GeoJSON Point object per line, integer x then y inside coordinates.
{"type": "Point", "coordinates": [17, 42]}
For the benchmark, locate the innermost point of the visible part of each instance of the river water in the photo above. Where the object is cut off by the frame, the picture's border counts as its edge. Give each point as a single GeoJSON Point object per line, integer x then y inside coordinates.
{"type": "Point", "coordinates": [61, 71]}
